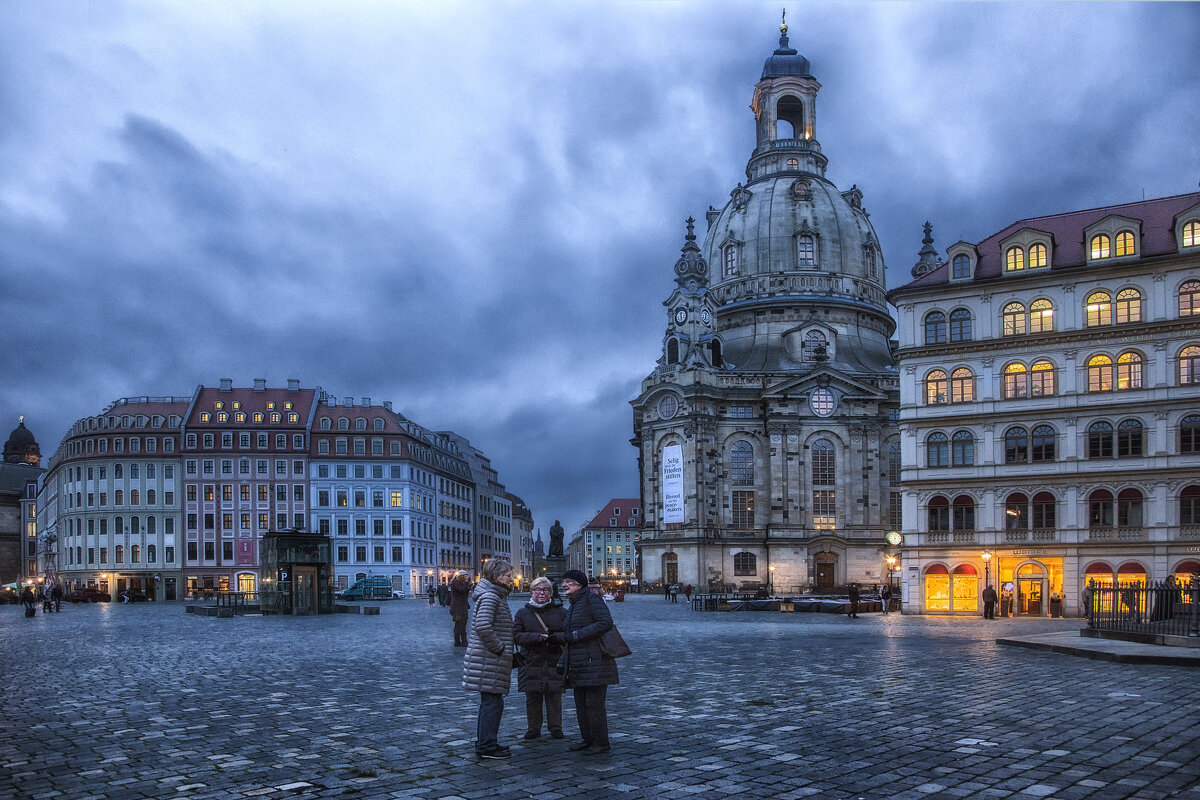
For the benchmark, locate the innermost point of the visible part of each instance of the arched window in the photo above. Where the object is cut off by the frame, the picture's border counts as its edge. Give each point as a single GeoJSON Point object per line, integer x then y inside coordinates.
{"type": "Point", "coordinates": [1043, 507]}
{"type": "Point", "coordinates": [964, 588]}
{"type": "Point", "coordinates": [1129, 508]}
{"type": "Point", "coordinates": [793, 163]}
{"type": "Point", "coordinates": [939, 514]}
{"type": "Point", "coordinates": [1189, 506]}
{"type": "Point", "coordinates": [1014, 319]}
{"type": "Point", "coordinates": [1100, 440]}
{"type": "Point", "coordinates": [672, 351]}
{"type": "Point", "coordinates": [731, 260]}
{"type": "Point", "coordinates": [1100, 374]}
{"type": "Point", "coordinates": [1099, 309]}
{"type": "Point", "coordinates": [1132, 573]}
{"type": "Point", "coordinates": [1191, 234]}
{"type": "Point", "coordinates": [741, 464]}
{"type": "Point", "coordinates": [1016, 445]}
{"type": "Point", "coordinates": [1016, 512]}
{"type": "Point", "coordinates": [962, 385]}
{"type": "Point", "coordinates": [377, 423]}
{"type": "Point", "coordinates": [1124, 244]}
{"type": "Point", "coordinates": [963, 513]}
{"type": "Point", "coordinates": [1016, 381]}
{"type": "Point", "coordinates": [1037, 256]}
{"type": "Point", "coordinates": [1129, 371]}
{"type": "Point", "coordinates": [1041, 316]}
{"type": "Point", "coordinates": [1041, 379]}
{"type": "Point", "coordinates": [1101, 245]}
{"type": "Point", "coordinates": [1100, 575]}
{"type": "Point", "coordinates": [937, 588]}
{"type": "Point", "coordinates": [1189, 434]}
{"type": "Point", "coordinates": [1043, 444]}
{"type": "Point", "coordinates": [714, 350]}
{"type": "Point", "coordinates": [1189, 365]}
{"type": "Point", "coordinates": [935, 328]}
{"type": "Point", "coordinates": [1189, 296]}
{"type": "Point", "coordinates": [326, 423]}
{"type": "Point", "coordinates": [937, 450]}
{"type": "Point", "coordinates": [343, 424]}
{"type": "Point", "coordinates": [962, 449]}
{"type": "Point", "coordinates": [806, 250]}
{"type": "Point", "coordinates": [824, 479]}
{"type": "Point", "coordinates": [936, 387]}
{"type": "Point", "coordinates": [1130, 436]}
{"type": "Point", "coordinates": [1129, 306]}
{"type": "Point", "coordinates": [360, 424]}
{"type": "Point", "coordinates": [960, 325]}
{"type": "Point", "coordinates": [1014, 259]}
{"type": "Point", "coordinates": [745, 564]}
{"type": "Point", "coordinates": [961, 266]}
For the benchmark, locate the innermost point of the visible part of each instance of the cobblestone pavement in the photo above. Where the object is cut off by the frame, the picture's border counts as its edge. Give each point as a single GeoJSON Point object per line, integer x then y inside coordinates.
{"type": "Point", "coordinates": [145, 701]}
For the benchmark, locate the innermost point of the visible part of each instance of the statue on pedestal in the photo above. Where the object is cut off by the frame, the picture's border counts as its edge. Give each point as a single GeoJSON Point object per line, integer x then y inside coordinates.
{"type": "Point", "coordinates": [556, 540]}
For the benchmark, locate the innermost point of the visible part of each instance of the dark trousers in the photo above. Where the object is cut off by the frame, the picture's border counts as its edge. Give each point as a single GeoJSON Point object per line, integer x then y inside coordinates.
{"type": "Point", "coordinates": [853, 612]}
{"type": "Point", "coordinates": [533, 710]}
{"type": "Point", "coordinates": [989, 610]}
{"type": "Point", "coordinates": [460, 631]}
{"type": "Point", "coordinates": [491, 708]}
{"type": "Point", "coordinates": [592, 714]}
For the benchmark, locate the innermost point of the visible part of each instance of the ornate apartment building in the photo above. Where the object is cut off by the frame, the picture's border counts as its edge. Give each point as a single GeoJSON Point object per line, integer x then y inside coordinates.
{"type": "Point", "coordinates": [1050, 409]}
{"type": "Point", "coordinates": [766, 434]}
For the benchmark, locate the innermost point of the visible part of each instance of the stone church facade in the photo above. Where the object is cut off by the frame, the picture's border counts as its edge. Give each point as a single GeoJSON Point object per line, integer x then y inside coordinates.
{"type": "Point", "coordinates": [776, 379]}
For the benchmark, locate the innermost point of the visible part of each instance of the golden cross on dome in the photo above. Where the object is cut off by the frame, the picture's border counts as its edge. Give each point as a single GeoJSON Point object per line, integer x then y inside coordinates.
{"type": "Point", "coordinates": [783, 24]}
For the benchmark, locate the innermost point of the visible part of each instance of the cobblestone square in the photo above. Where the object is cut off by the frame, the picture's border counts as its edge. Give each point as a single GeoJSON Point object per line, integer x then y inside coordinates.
{"type": "Point", "coordinates": [146, 701]}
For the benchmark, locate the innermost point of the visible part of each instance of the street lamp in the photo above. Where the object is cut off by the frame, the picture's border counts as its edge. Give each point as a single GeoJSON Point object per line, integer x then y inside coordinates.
{"type": "Point", "coordinates": [986, 555]}
{"type": "Point", "coordinates": [771, 580]}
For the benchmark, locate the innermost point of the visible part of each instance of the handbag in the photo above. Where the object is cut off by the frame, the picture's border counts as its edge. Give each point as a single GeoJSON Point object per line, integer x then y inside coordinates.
{"type": "Point", "coordinates": [518, 660]}
{"type": "Point", "coordinates": [613, 644]}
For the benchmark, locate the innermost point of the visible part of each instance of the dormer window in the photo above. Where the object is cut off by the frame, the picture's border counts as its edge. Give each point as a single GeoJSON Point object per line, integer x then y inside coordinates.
{"type": "Point", "coordinates": [960, 266]}
{"type": "Point", "coordinates": [1037, 256]}
{"type": "Point", "coordinates": [806, 251]}
{"type": "Point", "coordinates": [1014, 259]}
{"type": "Point", "coordinates": [1191, 234]}
{"type": "Point", "coordinates": [1125, 245]}
{"type": "Point", "coordinates": [1101, 246]}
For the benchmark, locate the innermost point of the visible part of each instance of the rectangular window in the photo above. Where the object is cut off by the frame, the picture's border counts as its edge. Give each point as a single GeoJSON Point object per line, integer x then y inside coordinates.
{"type": "Point", "coordinates": [264, 493]}
{"type": "Point", "coordinates": [227, 551]}
{"type": "Point", "coordinates": [210, 551]}
{"type": "Point", "coordinates": [281, 522]}
{"type": "Point", "coordinates": [264, 522]}
{"type": "Point", "coordinates": [824, 509]}
{"type": "Point", "coordinates": [742, 508]}
{"type": "Point", "coordinates": [323, 527]}
{"type": "Point", "coordinates": [397, 555]}
{"type": "Point", "coordinates": [377, 527]}
{"type": "Point", "coordinates": [377, 553]}
{"type": "Point", "coordinates": [169, 551]}
{"type": "Point", "coordinates": [323, 497]}
{"type": "Point", "coordinates": [343, 552]}
{"type": "Point", "coordinates": [343, 528]}
{"type": "Point", "coordinates": [397, 499]}
{"type": "Point", "coordinates": [360, 553]}
{"type": "Point", "coordinates": [193, 553]}
{"type": "Point", "coordinates": [360, 527]}
{"type": "Point", "coordinates": [397, 530]}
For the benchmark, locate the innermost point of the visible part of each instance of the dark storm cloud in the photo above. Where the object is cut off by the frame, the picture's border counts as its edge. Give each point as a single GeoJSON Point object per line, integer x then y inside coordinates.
{"type": "Point", "coordinates": [473, 211]}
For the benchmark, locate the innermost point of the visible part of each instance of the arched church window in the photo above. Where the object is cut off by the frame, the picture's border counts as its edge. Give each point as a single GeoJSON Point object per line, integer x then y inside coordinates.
{"type": "Point", "coordinates": [816, 348]}
{"type": "Point", "coordinates": [741, 464]}
{"type": "Point", "coordinates": [745, 564]}
{"type": "Point", "coordinates": [731, 260]}
{"type": "Point", "coordinates": [714, 348]}
{"type": "Point", "coordinates": [793, 163]}
{"type": "Point", "coordinates": [789, 117]}
{"type": "Point", "coordinates": [672, 351]}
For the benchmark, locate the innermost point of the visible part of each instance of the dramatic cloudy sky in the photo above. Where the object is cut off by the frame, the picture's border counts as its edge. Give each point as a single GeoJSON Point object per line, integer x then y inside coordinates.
{"type": "Point", "coordinates": [472, 210]}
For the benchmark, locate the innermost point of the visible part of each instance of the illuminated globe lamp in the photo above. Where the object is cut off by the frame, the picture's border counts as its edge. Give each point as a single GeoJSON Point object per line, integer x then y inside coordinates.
{"type": "Point", "coordinates": [986, 555]}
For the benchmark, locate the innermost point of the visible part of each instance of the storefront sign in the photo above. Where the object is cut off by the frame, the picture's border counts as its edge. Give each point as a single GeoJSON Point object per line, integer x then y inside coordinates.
{"type": "Point", "coordinates": [1031, 552]}
{"type": "Point", "coordinates": [672, 483]}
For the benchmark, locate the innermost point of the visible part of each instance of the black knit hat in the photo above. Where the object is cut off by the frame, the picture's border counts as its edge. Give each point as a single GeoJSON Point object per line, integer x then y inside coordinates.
{"type": "Point", "coordinates": [576, 575]}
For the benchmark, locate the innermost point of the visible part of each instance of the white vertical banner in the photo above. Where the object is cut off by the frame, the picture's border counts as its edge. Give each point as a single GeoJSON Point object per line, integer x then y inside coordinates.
{"type": "Point", "coordinates": [672, 483]}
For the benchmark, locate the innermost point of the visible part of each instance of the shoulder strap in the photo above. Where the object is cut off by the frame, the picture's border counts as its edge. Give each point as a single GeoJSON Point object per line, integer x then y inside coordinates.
{"type": "Point", "coordinates": [541, 621]}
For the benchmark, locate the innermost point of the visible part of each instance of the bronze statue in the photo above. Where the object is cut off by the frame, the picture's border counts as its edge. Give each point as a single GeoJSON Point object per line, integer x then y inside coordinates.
{"type": "Point", "coordinates": [556, 540]}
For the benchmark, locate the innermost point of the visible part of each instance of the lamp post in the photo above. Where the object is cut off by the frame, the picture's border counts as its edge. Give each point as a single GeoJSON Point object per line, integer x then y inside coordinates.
{"type": "Point", "coordinates": [771, 580]}
{"type": "Point", "coordinates": [986, 555]}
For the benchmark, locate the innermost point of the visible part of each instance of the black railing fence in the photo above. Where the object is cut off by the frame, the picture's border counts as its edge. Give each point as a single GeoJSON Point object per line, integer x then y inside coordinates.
{"type": "Point", "coordinates": [1168, 608]}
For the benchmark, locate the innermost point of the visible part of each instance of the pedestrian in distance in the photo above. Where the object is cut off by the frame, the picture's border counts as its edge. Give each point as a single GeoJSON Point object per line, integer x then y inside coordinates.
{"type": "Point", "coordinates": [1087, 596]}
{"type": "Point", "coordinates": [853, 593]}
{"type": "Point", "coordinates": [674, 592]}
{"type": "Point", "coordinates": [28, 600]}
{"type": "Point", "coordinates": [989, 602]}
{"type": "Point", "coordinates": [487, 667]}
{"type": "Point", "coordinates": [460, 591]}
{"type": "Point", "coordinates": [666, 591]}
{"type": "Point", "coordinates": [587, 669]}
{"type": "Point", "coordinates": [687, 593]}
{"type": "Point", "coordinates": [443, 594]}
{"type": "Point", "coordinates": [56, 595]}
{"type": "Point", "coordinates": [885, 596]}
{"type": "Point", "coordinates": [534, 630]}
{"type": "Point", "coordinates": [431, 593]}
{"type": "Point", "coordinates": [595, 588]}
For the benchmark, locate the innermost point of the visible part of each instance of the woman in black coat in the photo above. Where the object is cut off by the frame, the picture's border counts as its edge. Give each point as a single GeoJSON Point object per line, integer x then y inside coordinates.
{"type": "Point", "coordinates": [534, 628]}
{"type": "Point", "coordinates": [587, 669]}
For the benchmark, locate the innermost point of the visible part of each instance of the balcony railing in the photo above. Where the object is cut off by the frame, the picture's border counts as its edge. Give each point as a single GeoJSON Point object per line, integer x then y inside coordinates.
{"type": "Point", "coordinates": [1189, 532]}
{"type": "Point", "coordinates": [1043, 535]}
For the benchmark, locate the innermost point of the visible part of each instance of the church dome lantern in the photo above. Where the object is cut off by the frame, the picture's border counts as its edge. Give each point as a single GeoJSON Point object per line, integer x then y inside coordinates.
{"type": "Point", "coordinates": [21, 447]}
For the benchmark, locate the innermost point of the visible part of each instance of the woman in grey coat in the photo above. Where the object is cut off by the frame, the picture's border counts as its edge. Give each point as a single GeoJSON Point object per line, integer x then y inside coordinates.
{"type": "Point", "coordinates": [487, 666]}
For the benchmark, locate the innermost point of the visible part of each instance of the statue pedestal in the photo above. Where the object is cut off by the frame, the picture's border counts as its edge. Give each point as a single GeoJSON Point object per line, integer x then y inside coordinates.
{"type": "Point", "coordinates": [555, 567]}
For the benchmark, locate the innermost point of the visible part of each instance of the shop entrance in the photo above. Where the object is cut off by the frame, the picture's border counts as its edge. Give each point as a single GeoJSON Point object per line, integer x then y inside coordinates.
{"type": "Point", "coordinates": [1031, 590]}
{"type": "Point", "coordinates": [304, 590]}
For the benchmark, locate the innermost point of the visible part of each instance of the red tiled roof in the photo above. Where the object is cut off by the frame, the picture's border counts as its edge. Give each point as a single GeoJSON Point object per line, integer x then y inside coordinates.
{"type": "Point", "coordinates": [1158, 236]}
{"type": "Point", "coordinates": [625, 504]}
{"type": "Point", "coordinates": [391, 423]}
{"type": "Point", "coordinates": [252, 401]}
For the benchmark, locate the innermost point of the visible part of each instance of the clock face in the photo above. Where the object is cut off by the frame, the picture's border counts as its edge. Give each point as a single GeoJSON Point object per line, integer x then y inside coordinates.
{"type": "Point", "coordinates": [705, 316]}
{"type": "Point", "coordinates": [894, 538]}
{"type": "Point", "coordinates": [681, 316]}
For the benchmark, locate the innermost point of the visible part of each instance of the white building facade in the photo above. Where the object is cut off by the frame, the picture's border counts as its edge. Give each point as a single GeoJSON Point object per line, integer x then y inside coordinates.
{"type": "Point", "coordinates": [1050, 417]}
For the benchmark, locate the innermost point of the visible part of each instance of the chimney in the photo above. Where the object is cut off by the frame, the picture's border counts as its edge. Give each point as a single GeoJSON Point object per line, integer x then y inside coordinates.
{"type": "Point", "coordinates": [260, 384]}
{"type": "Point", "coordinates": [293, 384]}
{"type": "Point", "coordinates": [366, 403]}
{"type": "Point", "coordinates": [387, 404]}
{"type": "Point", "coordinates": [226, 384]}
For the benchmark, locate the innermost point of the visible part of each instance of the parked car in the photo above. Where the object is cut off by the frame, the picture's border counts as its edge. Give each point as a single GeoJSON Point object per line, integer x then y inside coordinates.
{"type": "Point", "coordinates": [89, 595]}
{"type": "Point", "coordinates": [398, 594]}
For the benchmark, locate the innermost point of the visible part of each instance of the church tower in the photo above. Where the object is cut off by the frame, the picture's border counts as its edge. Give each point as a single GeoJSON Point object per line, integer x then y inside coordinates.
{"type": "Point", "coordinates": [766, 433]}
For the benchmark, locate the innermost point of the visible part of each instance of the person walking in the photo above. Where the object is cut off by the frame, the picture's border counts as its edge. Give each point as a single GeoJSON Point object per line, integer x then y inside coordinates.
{"type": "Point", "coordinates": [56, 595]}
{"type": "Point", "coordinates": [853, 594]}
{"type": "Point", "coordinates": [885, 596]}
{"type": "Point", "coordinates": [460, 590]}
{"type": "Point", "coordinates": [487, 667]}
{"type": "Point", "coordinates": [28, 600]}
{"type": "Point", "coordinates": [667, 592]}
{"type": "Point", "coordinates": [443, 594]}
{"type": "Point", "coordinates": [431, 593]}
{"type": "Point", "coordinates": [989, 602]}
{"type": "Point", "coordinates": [587, 669]}
{"type": "Point", "coordinates": [674, 592]}
{"type": "Point", "coordinates": [687, 593]}
{"type": "Point", "coordinates": [534, 629]}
